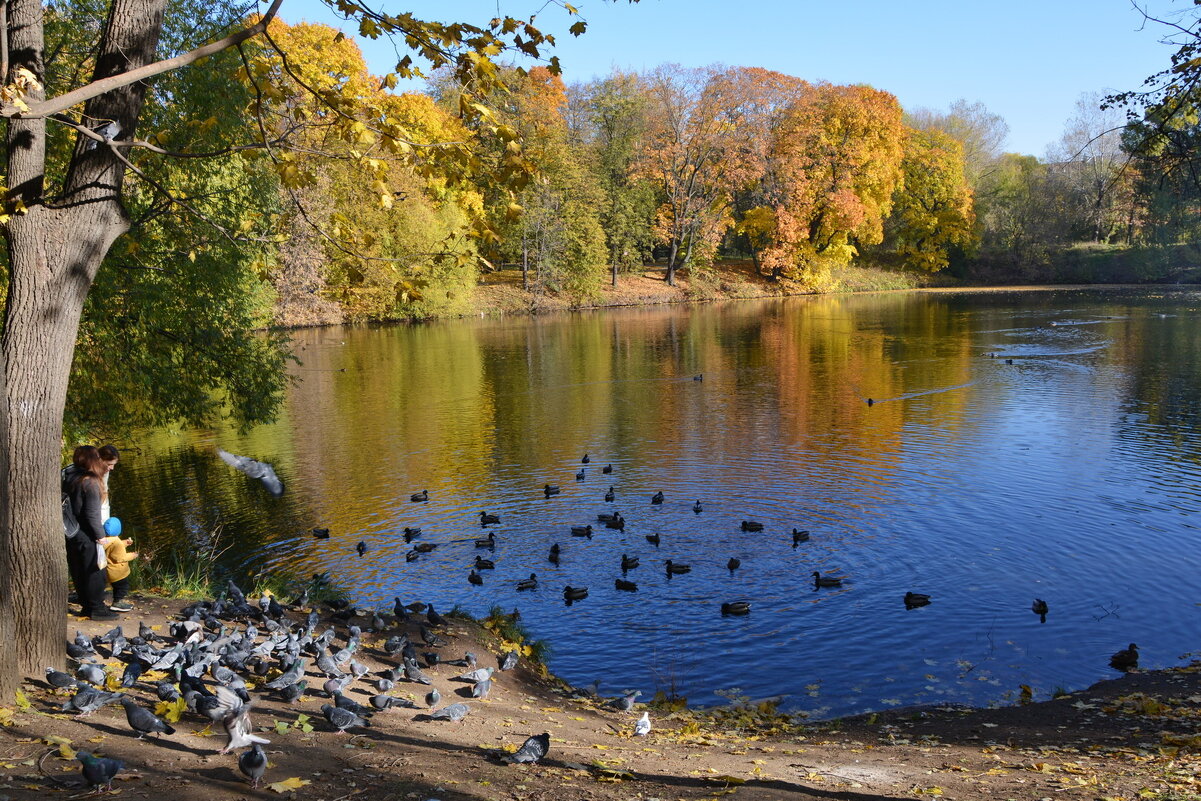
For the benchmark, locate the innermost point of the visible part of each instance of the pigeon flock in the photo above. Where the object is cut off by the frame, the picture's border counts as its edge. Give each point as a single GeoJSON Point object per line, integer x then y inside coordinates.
{"type": "Point", "coordinates": [205, 666]}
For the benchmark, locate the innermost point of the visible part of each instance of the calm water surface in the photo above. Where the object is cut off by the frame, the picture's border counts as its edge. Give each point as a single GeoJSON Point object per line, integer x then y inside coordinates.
{"type": "Point", "coordinates": [1070, 474]}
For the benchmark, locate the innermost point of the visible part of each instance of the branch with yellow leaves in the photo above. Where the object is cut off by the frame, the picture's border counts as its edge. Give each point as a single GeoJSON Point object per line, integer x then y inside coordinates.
{"type": "Point", "coordinates": [17, 108]}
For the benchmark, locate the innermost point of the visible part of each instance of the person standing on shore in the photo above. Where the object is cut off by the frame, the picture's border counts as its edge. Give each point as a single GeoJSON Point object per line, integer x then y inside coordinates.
{"type": "Point", "coordinates": [85, 490]}
{"type": "Point", "coordinates": [110, 457]}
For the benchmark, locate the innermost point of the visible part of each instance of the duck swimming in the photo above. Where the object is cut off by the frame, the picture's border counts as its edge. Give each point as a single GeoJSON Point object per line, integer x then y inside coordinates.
{"type": "Point", "coordinates": [626, 586]}
{"type": "Point", "coordinates": [321, 533]}
{"type": "Point", "coordinates": [733, 564]}
{"type": "Point", "coordinates": [475, 578]}
{"type": "Point", "coordinates": [485, 542]}
{"type": "Point", "coordinates": [554, 554]}
{"type": "Point", "coordinates": [799, 536]}
{"type": "Point", "coordinates": [579, 476]}
{"type": "Point", "coordinates": [826, 581]}
{"type": "Point", "coordinates": [418, 497]}
{"type": "Point", "coordinates": [915, 599]}
{"type": "Point", "coordinates": [653, 539]}
{"type": "Point", "coordinates": [1039, 607]}
{"type": "Point", "coordinates": [582, 531]}
{"type": "Point", "coordinates": [486, 518]}
{"type": "Point", "coordinates": [528, 584]}
{"type": "Point", "coordinates": [607, 469]}
{"type": "Point", "coordinates": [751, 525]}
{"type": "Point", "coordinates": [676, 569]}
{"type": "Point", "coordinates": [575, 593]}
{"type": "Point", "coordinates": [697, 508]}
{"type": "Point", "coordinates": [609, 496]}
{"type": "Point", "coordinates": [549, 490]}
{"type": "Point", "coordinates": [411, 533]}
{"type": "Point", "coordinates": [1125, 660]}
{"type": "Point", "coordinates": [736, 608]}
{"type": "Point", "coordinates": [628, 562]}
{"type": "Point", "coordinates": [484, 564]}
{"type": "Point", "coordinates": [657, 497]}
{"type": "Point", "coordinates": [424, 547]}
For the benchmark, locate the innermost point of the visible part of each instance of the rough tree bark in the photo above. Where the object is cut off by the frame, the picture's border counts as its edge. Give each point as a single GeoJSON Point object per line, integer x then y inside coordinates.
{"type": "Point", "coordinates": [54, 251]}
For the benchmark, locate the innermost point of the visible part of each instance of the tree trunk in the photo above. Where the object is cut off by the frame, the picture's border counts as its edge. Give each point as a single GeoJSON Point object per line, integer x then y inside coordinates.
{"type": "Point", "coordinates": [54, 252]}
{"type": "Point", "coordinates": [671, 262]}
{"type": "Point", "coordinates": [525, 261]}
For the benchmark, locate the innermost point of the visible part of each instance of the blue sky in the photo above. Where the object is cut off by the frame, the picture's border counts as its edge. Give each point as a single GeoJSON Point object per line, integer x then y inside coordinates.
{"type": "Point", "coordinates": [1026, 60]}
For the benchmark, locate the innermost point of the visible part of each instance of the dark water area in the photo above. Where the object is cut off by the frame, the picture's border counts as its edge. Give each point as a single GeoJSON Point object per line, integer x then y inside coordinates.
{"type": "Point", "coordinates": [1070, 474]}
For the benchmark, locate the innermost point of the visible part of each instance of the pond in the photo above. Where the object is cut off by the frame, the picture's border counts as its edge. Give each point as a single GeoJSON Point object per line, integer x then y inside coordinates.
{"type": "Point", "coordinates": [1018, 445]}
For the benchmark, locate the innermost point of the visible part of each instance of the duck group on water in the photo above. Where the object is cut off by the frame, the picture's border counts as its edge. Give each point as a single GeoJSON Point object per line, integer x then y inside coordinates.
{"type": "Point", "coordinates": [1124, 660]}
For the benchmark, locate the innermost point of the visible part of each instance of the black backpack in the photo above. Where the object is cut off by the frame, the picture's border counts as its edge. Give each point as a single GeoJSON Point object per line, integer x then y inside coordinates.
{"type": "Point", "coordinates": [70, 525]}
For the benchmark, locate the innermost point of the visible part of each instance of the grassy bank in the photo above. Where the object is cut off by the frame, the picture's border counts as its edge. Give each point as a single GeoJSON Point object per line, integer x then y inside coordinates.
{"type": "Point", "coordinates": [502, 292]}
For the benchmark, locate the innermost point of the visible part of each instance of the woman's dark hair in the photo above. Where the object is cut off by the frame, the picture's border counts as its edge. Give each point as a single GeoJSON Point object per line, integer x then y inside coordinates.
{"type": "Point", "coordinates": [91, 467]}
{"type": "Point", "coordinates": [108, 453]}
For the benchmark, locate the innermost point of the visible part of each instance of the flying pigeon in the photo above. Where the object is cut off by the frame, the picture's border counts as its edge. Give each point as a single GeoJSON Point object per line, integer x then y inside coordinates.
{"type": "Point", "coordinates": [234, 715]}
{"type": "Point", "coordinates": [532, 750]}
{"type": "Point", "coordinates": [260, 470]}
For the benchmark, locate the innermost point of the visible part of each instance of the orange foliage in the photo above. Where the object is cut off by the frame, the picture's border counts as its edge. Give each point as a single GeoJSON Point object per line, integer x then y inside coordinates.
{"type": "Point", "coordinates": [835, 163]}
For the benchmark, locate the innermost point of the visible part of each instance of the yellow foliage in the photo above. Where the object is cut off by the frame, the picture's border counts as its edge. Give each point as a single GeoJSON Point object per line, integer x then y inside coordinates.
{"type": "Point", "coordinates": [288, 785]}
{"type": "Point", "coordinates": [171, 711]}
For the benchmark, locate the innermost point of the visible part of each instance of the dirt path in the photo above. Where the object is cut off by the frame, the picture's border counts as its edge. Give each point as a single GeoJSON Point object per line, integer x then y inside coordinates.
{"type": "Point", "coordinates": [1129, 738]}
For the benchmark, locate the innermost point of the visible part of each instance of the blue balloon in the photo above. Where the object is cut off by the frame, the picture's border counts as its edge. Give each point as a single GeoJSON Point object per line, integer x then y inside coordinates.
{"type": "Point", "coordinates": [112, 527]}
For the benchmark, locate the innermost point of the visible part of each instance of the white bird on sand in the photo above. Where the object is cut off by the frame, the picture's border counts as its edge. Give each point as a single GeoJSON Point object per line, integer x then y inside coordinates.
{"type": "Point", "coordinates": [643, 726]}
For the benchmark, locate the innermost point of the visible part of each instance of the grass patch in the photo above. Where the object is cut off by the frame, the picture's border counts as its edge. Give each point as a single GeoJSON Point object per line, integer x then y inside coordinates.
{"type": "Point", "coordinates": [514, 636]}
{"type": "Point", "coordinates": [186, 570]}
{"type": "Point", "coordinates": [193, 570]}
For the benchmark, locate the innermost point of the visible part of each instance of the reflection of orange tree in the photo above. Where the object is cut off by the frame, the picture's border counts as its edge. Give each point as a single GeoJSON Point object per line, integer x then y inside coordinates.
{"type": "Point", "coordinates": [827, 365]}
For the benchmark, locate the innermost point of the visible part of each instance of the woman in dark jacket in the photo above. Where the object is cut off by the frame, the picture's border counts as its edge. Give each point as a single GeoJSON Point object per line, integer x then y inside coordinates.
{"type": "Point", "coordinates": [85, 487]}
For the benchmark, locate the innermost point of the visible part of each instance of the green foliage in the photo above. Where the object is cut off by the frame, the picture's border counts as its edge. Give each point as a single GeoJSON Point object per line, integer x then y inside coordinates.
{"type": "Point", "coordinates": [167, 332]}
{"type": "Point", "coordinates": [612, 126]}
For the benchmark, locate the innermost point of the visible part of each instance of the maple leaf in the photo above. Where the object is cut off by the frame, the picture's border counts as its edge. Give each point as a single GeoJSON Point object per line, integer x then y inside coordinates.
{"type": "Point", "coordinates": [288, 785]}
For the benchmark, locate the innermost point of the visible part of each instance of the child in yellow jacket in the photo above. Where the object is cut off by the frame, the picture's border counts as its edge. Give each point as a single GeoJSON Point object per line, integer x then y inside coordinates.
{"type": "Point", "coordinates": [118, 570]}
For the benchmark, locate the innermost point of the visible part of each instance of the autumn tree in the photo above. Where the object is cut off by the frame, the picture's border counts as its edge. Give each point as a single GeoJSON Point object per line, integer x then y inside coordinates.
{"type": "Point", "coordinates": [384, 225]}
{"type": "Point", "coordinates": [836, 162]}
{"type": "Point", "coordinates": [981, 133]}
{"type": "Point", "coordinates": [683, 157]}
{"type": "Point", "coordinates": [60, 221]}
{"type": "Point", "coordinates": [932, 215]}
{"type": "Point", "coordinates": [753, 104]}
